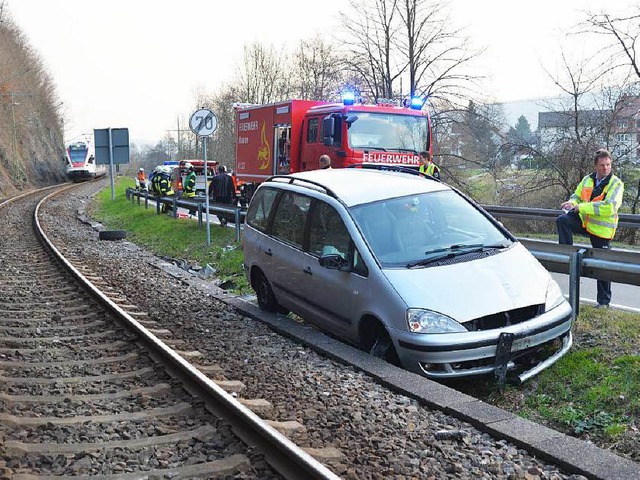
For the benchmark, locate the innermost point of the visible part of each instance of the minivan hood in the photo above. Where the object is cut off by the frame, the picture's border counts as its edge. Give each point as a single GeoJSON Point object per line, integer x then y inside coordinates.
{"type": "Point", "coordinates": [510, 279]}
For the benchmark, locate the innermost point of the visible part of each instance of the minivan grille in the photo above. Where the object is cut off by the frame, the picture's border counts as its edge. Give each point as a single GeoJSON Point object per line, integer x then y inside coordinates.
{"type": "Point", "coordinates": [504, 319]}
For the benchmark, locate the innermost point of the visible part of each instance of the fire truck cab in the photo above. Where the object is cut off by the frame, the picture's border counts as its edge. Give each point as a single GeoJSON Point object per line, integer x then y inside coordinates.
{"type": "Point", "coordinates": [290, 136]}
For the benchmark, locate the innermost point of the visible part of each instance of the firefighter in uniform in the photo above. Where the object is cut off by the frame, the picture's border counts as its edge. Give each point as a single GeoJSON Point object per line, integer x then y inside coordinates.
{"type": "Point", "coordinates": [592, 210]}
{"type": "Point", "coordinates": [427, 166]}
{"type": "Point", "coordinates": [189, 189]}
{"type": "Point", "coordinates": [162, 185]}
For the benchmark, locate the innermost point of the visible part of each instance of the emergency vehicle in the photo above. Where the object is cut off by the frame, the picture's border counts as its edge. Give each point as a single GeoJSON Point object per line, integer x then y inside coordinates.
{"type": "Point", "coordinates": [290, 136]}
{"type": "Point", "coordinates": [180, 171]}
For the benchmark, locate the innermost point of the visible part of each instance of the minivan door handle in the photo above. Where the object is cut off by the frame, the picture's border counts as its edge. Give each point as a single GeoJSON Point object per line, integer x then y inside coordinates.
{"type": "Point", "coordinates": [268, 252]}
{"type": "Point", "coordinates": [307, 270]}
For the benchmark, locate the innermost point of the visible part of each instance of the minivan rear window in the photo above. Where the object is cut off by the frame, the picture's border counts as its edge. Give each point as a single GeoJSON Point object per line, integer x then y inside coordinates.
{"type": "Point", "coordinates": [404, 230]}
{"type": "Point", "coordinates": [260, 208]}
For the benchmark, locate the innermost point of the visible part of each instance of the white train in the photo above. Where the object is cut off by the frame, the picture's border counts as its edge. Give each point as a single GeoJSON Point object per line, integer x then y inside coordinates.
{"type": "Point", "coordinates": [81, 162]}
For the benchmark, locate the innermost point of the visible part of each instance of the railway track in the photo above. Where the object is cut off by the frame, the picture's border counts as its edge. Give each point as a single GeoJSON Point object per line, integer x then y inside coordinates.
{"type": "Point", "coordinates": [88, 390]}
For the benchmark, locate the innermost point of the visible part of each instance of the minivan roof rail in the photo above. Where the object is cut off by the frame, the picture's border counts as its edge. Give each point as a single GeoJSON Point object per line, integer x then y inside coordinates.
{"type": "Point", "coordinates": [292, 180]}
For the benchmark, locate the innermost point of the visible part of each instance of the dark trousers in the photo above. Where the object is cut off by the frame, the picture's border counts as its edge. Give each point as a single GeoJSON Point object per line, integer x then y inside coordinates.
{"type": "Point", "coordinates": [567, 225]}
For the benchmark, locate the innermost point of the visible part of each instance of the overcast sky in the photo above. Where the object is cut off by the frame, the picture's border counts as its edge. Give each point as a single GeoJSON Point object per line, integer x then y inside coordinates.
{"type": "Point", "coordinates": [138, 63]}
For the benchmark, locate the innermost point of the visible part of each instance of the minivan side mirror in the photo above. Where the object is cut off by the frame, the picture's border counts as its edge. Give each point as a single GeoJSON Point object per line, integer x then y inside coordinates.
{"type": "Point", "coordinates": [334, 261]}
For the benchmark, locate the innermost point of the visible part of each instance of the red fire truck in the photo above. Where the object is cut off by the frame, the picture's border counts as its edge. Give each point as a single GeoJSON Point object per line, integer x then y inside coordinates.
{"type": "Point", "coordinates": [290, 136]}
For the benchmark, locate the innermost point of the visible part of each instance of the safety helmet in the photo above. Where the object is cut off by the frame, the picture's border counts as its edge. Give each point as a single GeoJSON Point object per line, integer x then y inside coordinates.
{"type": "Point", "coordinates": [141, 169]}
{"type": "Point", "coordinates": [188, 165]}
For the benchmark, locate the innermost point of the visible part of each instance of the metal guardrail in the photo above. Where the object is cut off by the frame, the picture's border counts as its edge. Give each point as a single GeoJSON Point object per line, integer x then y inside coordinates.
{"type": "Point", "coordinates": [196, 204]}
{"type": "Point", "coordinates": [620, 266]}
{"type": "Point", "coordinates": [524, 213]}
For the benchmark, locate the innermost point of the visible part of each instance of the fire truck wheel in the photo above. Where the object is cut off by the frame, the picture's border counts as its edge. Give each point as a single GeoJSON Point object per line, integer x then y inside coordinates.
{"type": "Point", "coordinates": [266, 300]}
{"type": "Point", "coordinates": [112, 234]}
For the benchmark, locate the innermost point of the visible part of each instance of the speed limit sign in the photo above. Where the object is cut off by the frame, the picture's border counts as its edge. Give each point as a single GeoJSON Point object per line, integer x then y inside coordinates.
{"type": "Point", "coordinates": [203, 122]}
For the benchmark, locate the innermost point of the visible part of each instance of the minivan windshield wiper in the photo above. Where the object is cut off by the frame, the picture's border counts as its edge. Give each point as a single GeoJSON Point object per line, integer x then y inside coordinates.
{"type": "Point", "coordinates": [451, 252]}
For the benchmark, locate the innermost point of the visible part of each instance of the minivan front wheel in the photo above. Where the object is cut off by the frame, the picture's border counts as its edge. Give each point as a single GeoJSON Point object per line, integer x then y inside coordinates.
{"type": "Point", "coordinates": [382, 347]}
{"type": "Point", "coordinates": [266, 299]}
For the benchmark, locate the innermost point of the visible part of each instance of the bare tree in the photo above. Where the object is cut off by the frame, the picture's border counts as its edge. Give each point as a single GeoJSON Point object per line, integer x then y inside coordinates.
{"type": "Point", "coordinates": [222, 143]}
{"type": "Point", "coordinates": [392, 39]}
{"type": "Point", "coordinates": [623, 32]}
{"type": "Point", "coordinates": [316, 70]}
{"type": "Point", "coordinates": [434, 52]}
{"type": "Point", "coordinates": [263, 76]}
{"type": "Point", "coordinates": [371, 38]}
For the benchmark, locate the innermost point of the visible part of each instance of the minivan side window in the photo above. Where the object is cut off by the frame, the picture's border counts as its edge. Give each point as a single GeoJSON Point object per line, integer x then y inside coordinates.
{"type": "Point", "coordinates": [327, 232]}
{"type": "Point", "coordinates": [290, 217]}
{"type": "Point", "coordinates": [328, 235]}
{"type": "Point", "coordinates": [260, 208]}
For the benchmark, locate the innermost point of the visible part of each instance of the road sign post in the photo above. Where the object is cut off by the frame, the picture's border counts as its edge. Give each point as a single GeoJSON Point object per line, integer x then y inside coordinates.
{"type": "Point", "coordinates": [112, 147]}
{"type": "Point", "coordinates": [203, 123]}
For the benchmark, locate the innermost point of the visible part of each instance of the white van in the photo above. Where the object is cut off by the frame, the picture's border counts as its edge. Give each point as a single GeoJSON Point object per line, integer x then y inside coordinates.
{"type": "Point", "coordinates": [407, 268]}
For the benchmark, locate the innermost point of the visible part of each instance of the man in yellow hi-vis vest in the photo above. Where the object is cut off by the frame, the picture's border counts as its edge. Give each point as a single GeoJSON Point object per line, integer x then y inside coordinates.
{"type": "Point", "coordinates": [592, 210]}
{"type": "Point", "coordinates": [427, 166]}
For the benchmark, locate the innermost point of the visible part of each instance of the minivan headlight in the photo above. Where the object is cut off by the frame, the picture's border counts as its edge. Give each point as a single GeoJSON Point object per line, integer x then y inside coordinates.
{"type": "Point", "coordinates": [427, 321]}
{"type": "Point", "coordinates": [554, 296]}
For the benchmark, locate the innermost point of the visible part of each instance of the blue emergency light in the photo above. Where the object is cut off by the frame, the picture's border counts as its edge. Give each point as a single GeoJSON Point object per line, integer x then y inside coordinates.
{"type": "Point", "coordinates": [416, 103]}
{"type": "Point", "coordinates": [348, 97]}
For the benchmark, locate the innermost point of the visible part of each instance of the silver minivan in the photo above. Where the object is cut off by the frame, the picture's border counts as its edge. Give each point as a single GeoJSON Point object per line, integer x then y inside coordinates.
{"type": "Point", "coordinates": [407, 268]}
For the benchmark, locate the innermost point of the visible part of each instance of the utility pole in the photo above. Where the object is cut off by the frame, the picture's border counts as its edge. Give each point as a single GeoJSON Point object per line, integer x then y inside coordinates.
{"type": "Point", "coordinates": [180, 150]}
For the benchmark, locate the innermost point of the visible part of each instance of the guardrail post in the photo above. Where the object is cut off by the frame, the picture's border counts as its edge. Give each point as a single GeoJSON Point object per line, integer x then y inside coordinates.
{"type": "Point", "coordinates": [138, 195]}
{"type": "Point", "coordinates": [175, 207]}
{"type": "Point", "coordinates": [237, 220]}
{"type": "Point", "coordinates": [199, 215]}
{"type": "Point", "coordinates": [146, 200]}
{"type": "Point", "coordinates": [158, 204]}
{"type": "Point", "coordinates": [127, 193]}
{"type": "Point", "coordinates": [575, 265]}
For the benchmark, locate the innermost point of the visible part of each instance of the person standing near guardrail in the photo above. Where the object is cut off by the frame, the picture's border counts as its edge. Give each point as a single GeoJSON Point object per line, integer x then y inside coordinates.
{"type": "Point", "coordinates": [592, 210]}
{"type": "Point", "coordinates": [222, 190]}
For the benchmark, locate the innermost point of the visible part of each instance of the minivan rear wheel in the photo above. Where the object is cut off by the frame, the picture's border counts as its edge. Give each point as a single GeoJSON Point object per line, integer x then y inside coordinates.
{"type": "Point", "coordinates": [266, 299]}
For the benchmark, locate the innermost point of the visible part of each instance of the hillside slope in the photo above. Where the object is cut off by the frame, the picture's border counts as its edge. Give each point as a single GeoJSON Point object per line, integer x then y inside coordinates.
{"type": "Point", "coordinates": [31, 140]}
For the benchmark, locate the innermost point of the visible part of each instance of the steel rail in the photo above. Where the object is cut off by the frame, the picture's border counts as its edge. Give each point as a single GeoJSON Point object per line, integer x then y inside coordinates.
{"type": "Point", "coordinates": [282, 454]}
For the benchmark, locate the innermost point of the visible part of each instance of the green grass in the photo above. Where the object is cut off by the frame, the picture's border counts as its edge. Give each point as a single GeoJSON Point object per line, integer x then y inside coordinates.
{"type": "Point", "coordinates": [179, 239]}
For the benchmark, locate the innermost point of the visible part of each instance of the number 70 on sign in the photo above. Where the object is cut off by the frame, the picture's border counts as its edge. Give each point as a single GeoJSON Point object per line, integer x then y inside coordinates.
{"type": "Point", "coordinates": [203, 122]}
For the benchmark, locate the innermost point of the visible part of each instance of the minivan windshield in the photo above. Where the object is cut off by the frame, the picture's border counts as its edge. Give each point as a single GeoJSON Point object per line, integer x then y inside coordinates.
{"type": "Point", "coordinates": [420, 229]}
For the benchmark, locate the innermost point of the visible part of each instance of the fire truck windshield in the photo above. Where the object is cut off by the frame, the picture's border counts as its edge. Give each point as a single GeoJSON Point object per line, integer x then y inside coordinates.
{"type": "Point", "coordinates": [388, 132]}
